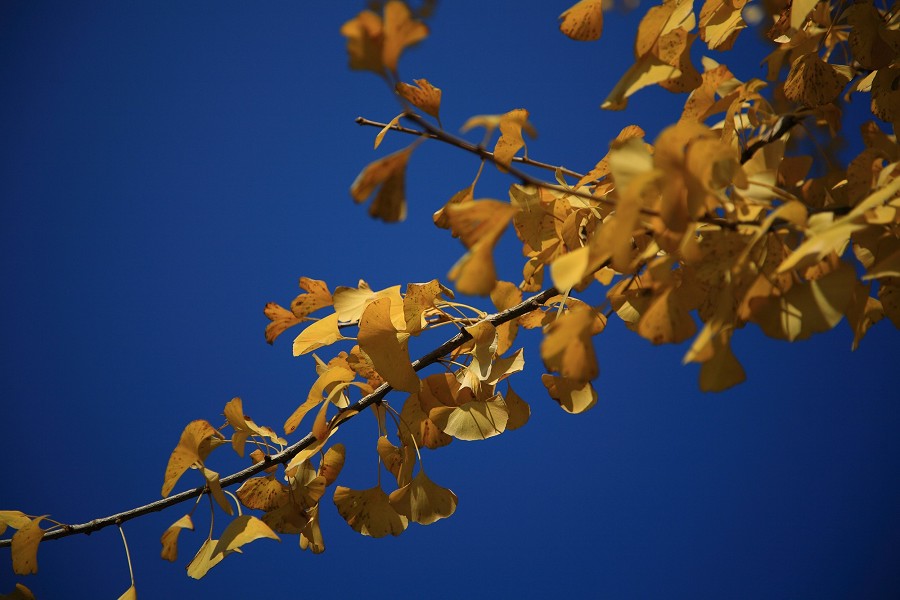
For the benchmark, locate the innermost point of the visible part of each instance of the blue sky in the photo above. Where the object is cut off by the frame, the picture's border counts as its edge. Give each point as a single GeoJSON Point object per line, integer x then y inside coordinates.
{"type": "Point", "coordinates": [166, 170]}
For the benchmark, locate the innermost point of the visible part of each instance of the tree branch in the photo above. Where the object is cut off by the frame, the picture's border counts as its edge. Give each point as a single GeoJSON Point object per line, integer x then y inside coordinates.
{"type": "Point", "coordinates": [288, 453]}
{"type": "Point", "coordinates": [782, 126]}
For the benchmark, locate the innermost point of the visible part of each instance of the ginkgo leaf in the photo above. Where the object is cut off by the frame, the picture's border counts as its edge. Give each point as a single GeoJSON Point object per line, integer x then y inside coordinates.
{"type": "Point", "coordinates": [369, 512]}
{"type": "Point", "coordinates": [332, 463]}
{"type": "Point", "coordinates": [819, 245]}
{"type": "Point", "coordinates": [263, 493]}
{"type": "Point", "coordinates": [311, 535]}
{"type": "Point", "coordinates": [317, 296]}
{"type": "Point", "coordinates": [205, 560]}
{"type": "Point", "coordinates": [813, 82]}
{"type": "Point", "coordinates": [242, 530]}
{"type": "Point", "coordinates": [349, 303]}
{"type": "Point", "coordinates": [873, 44]}
{"type": "Point", "coordinates": [510, 141]}
{"type": "Point", "coordinates": [484, 337]}
{"type": "Point", "coordinates": [400, 31]}
{"type": "Point", "coordinates": [187, 452]}
{"type": "Point", "coordinates": [574, 397]}
{"type": "Point", "coordinates": [288, 518]}
{"type": "Point", "coordinates": [807, 308]}
{"type": "Point", "coordinates": [12, 518]}
{"type": "Point", "coordinates": [473, 420]}
{"type": "Point", "coordinates": [422, 95]}
{"type": "Point", "coordinates": [326, 381]}
{"type": "Point", "coordinates": [666, 320]}
{"type": "Point", "coordinates": [423, 501]}
{"type": "Point", "coordinates": [169, 538]}
{"type": "Point", "coordinates": [323, 332]}
{"type": "Point", "coordinates": [720, 22]}
{"type": "Point", "coordinates": [391, 456]}
{"type": "Point", "coordinates": [245, 427]}
{"type": "Point", "coordinates": [25, 546]}
{"type": "Point", "coordinates": [863, 312]}
{"type": "Point", "coordinates": [215, 490]}
{"type": "Point", "coordinates": [281, 320]}
{"type": "Point", "coordinates": [518, 410]}
{"type": "Point", "coordinates": [365, 42]}
{"type": "Point", "coordinates": [800, 9]}
{"type": "Point", "coordinates": [424, 431]}
{"type": "Point", "coordinates": [502, 368]}
{"type": "Point", "coordinates": [722, 370]}
{"type": "Point", "coordinates": [379, 339]}
{"type": "Point", "coordinates": [388, 175]}
{"type": "Point", "coordinates": [583, 21]}
{"type": "Point", "coordinates": [567, 347]}
{"type": "Point", "coordinates": [419, 298]}
{"type": "Point", "coordinates": [479, 225]}
{"type": "Point", "coordinates": [20, 593]}
{"type": "Point", "coordinates": [129, 594]}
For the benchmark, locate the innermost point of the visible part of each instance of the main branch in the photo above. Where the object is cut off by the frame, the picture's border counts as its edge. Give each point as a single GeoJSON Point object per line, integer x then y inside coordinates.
{"type": "Point", "coordinates": [288, 453]}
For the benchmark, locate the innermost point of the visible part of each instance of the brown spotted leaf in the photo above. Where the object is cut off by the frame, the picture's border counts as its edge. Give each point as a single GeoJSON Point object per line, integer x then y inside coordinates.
{"type": "Point", "coordinates": [170, 537]}
{"type": "Point", "coordinates": [369, 512]}
{"type": "Point", "coordinates": [388, 176]}
{"type": "Point", "coordinates": [422, 95]}
{"type": "Point", "coordinates": [583, 21]}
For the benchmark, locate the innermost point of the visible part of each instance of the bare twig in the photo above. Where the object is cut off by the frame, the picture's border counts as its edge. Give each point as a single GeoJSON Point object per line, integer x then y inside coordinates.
{"type": "Point", "coordinates": [288, 453]}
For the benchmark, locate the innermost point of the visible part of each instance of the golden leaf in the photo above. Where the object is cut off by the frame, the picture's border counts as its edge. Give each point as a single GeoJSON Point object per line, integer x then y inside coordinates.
{"type": "Point", "coordinates": [349, 303]}
{"type": "Point", "coordinates": [419, 298]}
{"type": "Point", "coordinates": [510, 141]}
{"type": "Point", "coordinates": [281, 318]}
{"type": "Point", "coordinates": [574, 397]}
{"type": "Point", "coordinates": [518, 409]}
{"type": "Point", "coordinates": [20, 593]}
{"type": "Point", "coordinates": [813, 82]}
{"type": "Point", "coordinates": [720, 22]}
{"type": "Point", "coordinates": [388, 174]}
{"type": "Point", "coordinates": [390, 455]}
{"type": "Point", "coordinates": [317, 296]}
{"type": "Point", "coordinates": [204, 560]}
{"type": "Point", "coordinates": [423, 96]}
{"type": "Point", "coordinates": [583, 21]}
{"type": "Point", "coordinates": [187, 452]}
{"type": "Point", "coordinates": [423, 501]}
{"type": "Point", "coordinates": [25, 546]}
{"type": "Point", "coordinates": [379, 339]}
{"type": "Point", "coordinates": [567, 347]}
{"type": "Point", "coordinates": [479, 225]}
{"type": "Point", "coordinates": [666, 320]}
{"type": "Point", "coordinates": [800, 9]}
{"type": "Point", "coordinates": [311, 536]}
{"type": "Point", "coordinates": [365, 42]}
{"type": "Point", "coordinates": [129, 594]}
{"type": "Point", "coordinates": [332, 463]}
{"type": "Point", "coordinates": [245, 427]}
{"type": "Point", "coordinates": [392, 123]}
{"type": "Point", "coordinates": [369, 512]}
{"type": "Point", "coordinates": [242, 530]}
{"type": "Point", "coordinates": [263, 493]}
{"type": "Point", "coordinates": [424, 431]}
{"type": "Point", "coordinates": [323, 332]}
{"type": "Point", "coordinates": [327, 380]}
{"type": "Point", "coordinates": [873, 44]}
{"type": "Point", "coordinates": [473, 420]}
{"type": "Point", "coordinates": [506, 295]}
{"type": "Point", "coordinates": [170, 537]}
{"type": "Point", "coordinates": [889, 295]}
{"type": "Point", "coordinates": [722, 369]}
{"type": "Point", "coordinates": [12, 518]}
{"type": "Point", "coordinates": [863, 312]}
{"type": "Point", "coordinates": [400, 31]}
{"type": "Point", "coordinates": [215, 490]}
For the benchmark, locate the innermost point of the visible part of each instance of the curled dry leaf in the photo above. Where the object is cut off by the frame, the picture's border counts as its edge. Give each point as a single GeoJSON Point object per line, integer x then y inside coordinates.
{"type": "Point", "coordinates": [583, 21]}
{"type": "Point", "coordinates": [332, 463]}
{"type": "Point", "coordinates": [369, 512]}
{"type": "Point", "coordinates": [169, 538]}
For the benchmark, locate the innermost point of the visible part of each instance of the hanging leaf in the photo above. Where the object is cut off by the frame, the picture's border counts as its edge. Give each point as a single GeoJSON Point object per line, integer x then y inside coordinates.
{"type": "Point", "coordinates": [242, 530]}
{"type": "Point", "coordinates": [369, 512]}
{"type": "Point", "coordinates": [422, 501]}
{"type": "Point", "coordinates": [422, 95]}
{"type": "Point", "coordinates": [169, 538]}
{"type": "Point", "coordinates": [583, 21]}
{"type": "Point", "coordinates": [388, 176]}
{"type": "Point", "coordinates": [187, 452]}
{"type": "Point", "coordinates": [25, 546]}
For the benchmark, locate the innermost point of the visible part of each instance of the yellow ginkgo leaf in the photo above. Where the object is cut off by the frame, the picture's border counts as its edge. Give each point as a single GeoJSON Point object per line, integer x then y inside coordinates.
{"type": "Point", "coordinates": [25, 546]}
{"type": "Point", "coordinates": [720, 22]}
{"type": "Point", "coordinates": [317, 296]}
{"type": "Point", "coordinates": [813, 82]}
{"type": "Point", "coordinates": [510, 141]}
{"type": "Point", "coordinates": [424, 431]}
{"type": "Point", "coordinates": [369, 512]}
{"type": "Point", "coordinates": [365, 42]}
{"type": "Point", "coordinates": [245, 427]}
{"type": "Point", "coordinates": [240, 531]}
{"type": "Point", "coordinates": [129, 594]}
{"type": "Point", "coordinates": [332, 463]}
{"type": "Point", "coordinates": [419, 298]}
{"type": "Point", "coordinates": [583, 21]}
{"type": "Point", "coordinates": [666, 320]}
{"type": "Point", "coordinates": [567, 347]}
{"type": "Point", "coordinates": [215, 489]}
{"type": "Point", "coordinates": [388, 175]}
{"type": "Point", "coordinates": [506, 295]}
{"type": "Point", "coordinates": [204, 560]}
{"type": "Point", "coordinates": [473, 420]}
{"type": "Point", "coordinates": [423, 501]}
{"type": "Point", "coordinates": [722, 370]}
{"type": "Point", "coordinates": [187, 452]}
{"type": "Point", "coordinates": [423, 96]}
{"type": "Point", "coordinates": [379, 339]}
{"type": "Point", "coordinates": [12, 518]}
{"type": "Point", "coordinates": [400, 31]}
{"type": "Point", "coordinates": [479, 225]}
{"type": "Point", "coordinates": [518, 410]}
{"type": "Point", "coordinates": [349, 303]}
{"type": "Point", "coordinates": [392, 123]}
{"type": "Point", "coordinates": [311, 535]}
{"type": "Point", "coordinates": [263, 493]}
{"type": "Point", "coordinates": [281, 320]}
{"type": "Point", "coordinates": [573, 396]}
{"type": "Point", "coordinates": [326, 381]}
{"type": "Point", "coordinates": [323, 332]}
{"type": "Point", "coordinates": [170, 537]}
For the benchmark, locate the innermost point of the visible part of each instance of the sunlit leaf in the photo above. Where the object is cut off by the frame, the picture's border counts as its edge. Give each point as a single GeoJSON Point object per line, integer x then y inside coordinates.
{"type": "Point", "coordinates": [573, 396]}
{"type": "Point", "coordinates": [422, 428]}
{"type": "Point", "coordinates": [400, 31]}
{"type": "Point", "coordinates": [567, 347]}
{"type": "Point", "coordinates": [388, 175]}
{"type": "Point", "coordinates": [205, 560]}
{"type": "Point", "coordinates": [20, 593]}
{"type": "Point", "coordinates": [187, 452]}
{"type": "Point", "coordinates": [12, 518]}
{"type": "Point", "coordinates": [369, 512]}
{"type": "Point", "coordinates": [332, 463]}
{"type": "Point", "coordinates": [379, 339]}
{"type": "Point", "coordinates": [479, 225]}
{"type": "Point", "coordinates": [473, 420]}
{"type": "Point", "coordinates": [423, 501]}
{"type": "Point", "coordinates": [518, 410]}
{"type": "Point", "coordinates": [263, 493]}
{"type": "Point", "coordinates": [215, 490]}
{"type": "Point", "coordinates": [583, 21]}
{"type": "Point", "coordinates": [323, 332]}
{"type": "Point", "coordinates": [311, 536]}
{"type": "Point", "coordinates": [242, 530]}
{"type": "Point", "coordinates": [720, 22]}
{"type": "Point", "coordinates": [245, 427]}
{"type": "Point", "coordinates": [281, 320]}
{"type": "Point", "coordinates": [129, 594]}
{"type": "Point", "coordinates": [169, 538]}
{"type": "Point", "coordinates": [422, 95]}
{"type": "Point", "coordinates": [510, 141]}
{"type": "Point", "coordinates": [25, 546]}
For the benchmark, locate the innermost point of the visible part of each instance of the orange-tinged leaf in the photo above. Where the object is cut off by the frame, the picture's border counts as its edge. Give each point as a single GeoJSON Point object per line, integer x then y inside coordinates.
{"type": "Point", "coordinates": [317, 296]}
{"type": "Point", "coordinates": [400, 31]}
{"type": "Point", "coordinates": [369, 512]}
{"type": "Point", "coordinates": [510, 141]}
{"type": "Point", "coordinates": [170, 537]}
{"type": "Point", "coordinates": [323, 332]}
{"type": "Point", "coordinates": [242, 530]}
{"type": "Point", "coordinates": [388, 175]}
{"type": "Point", "coordinates": [263, 493]}
{"type": "Point", "coordinates": [390, 455]}
{"type": "Point", "coordinates": [666, 320]}
{"type": "Point", "coordinates": [365, 42]}
{"type": "Point", "coordinates": [473, 420]}
{"type": "Point", "coordinates": [422, 95]}
{"type": "Point", "coordinates": [419, 298]}
{"type": "Point", "coordinates": [518, 409]}
{"type": "Point", "coordinates": [20, 593]}
{"type": "Point", "coordinates": [332, 463]}
{"type": "Point", "coordinates": [479, 225]}
{"type": "Point", "coordinates": [379, 339]}
{"type": "Point", "coordinates": [393, 123]}
{"type": "Point", "coordinates": [25, 546]}
{"type": "Point", "coordinates": [573, 396]}
{"type": "Point", "coordinates": [187, 452]}
{"type": "Point", "coordinates": [583, 21]}
{"type": "Point", "coordinates": [813, 82]}
{"type": "Point", "coordinates": [281, 319]}
{"type": "Point", "coordinates": [567, 347]}
{"type": "Point", "coordinates": [423, 501]}
{"type": "Point", "coordinates": [720, 22]}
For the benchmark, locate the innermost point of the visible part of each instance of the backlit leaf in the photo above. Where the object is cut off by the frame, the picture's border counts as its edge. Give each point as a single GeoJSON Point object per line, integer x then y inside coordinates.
{"type": "Point", "coordinates": [369, 512]}
{"type": "Point", "coordinates": [12, 518]}
{"type": "Point", "coordinates": [129, 594]}
{"type": "Point", "coordinates": [400, 31]}
{"type": "Point", "coordinates": [583, 21]}
{"type": "Point", "coordinates": [473, 420]}
{"type": "Point", "coordinates": [170, 537]}
{"type": "Point", "coordinates": [510, 141]}
{"type": "Point", "coordinates": [388, 350]}
{"type": "Point", "coordinates": [205, 560]}
{"type": "Point", "coordinates": [263, 493]}
{"type": "Point", "coordinates": [245, 427]}
{"type": "Point", "coordinates": [323, 332]}
{"type": "Point", "coordinates": [567, 347]}
{"type": "Point", "coordinates": [242, 530]}
{"type": "Point", "coordinates": [813, 82]}
{"type": "Point", "coordinates": [479, 225]}
{"type": "Point", "coordinates": [311, 536]}
{"type": "Point", "coordinates": [187, 452]}
{"type": "Point", "coordinates": [332, 463]}
{"type": "Point", "coordinates": [281, 319]}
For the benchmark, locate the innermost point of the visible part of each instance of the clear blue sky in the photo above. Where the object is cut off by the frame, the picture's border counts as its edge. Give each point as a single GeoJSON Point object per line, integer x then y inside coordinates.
{"type": "Point", "coordinates": [166, 169]}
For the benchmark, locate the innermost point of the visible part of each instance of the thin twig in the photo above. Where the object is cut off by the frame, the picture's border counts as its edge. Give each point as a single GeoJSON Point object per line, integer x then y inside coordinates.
{"type": "Point", "coordinates": [288, 453]}
{"type": "Point", "coordinates": [470, 147]}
